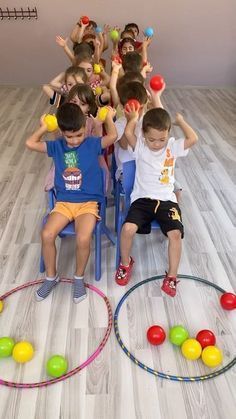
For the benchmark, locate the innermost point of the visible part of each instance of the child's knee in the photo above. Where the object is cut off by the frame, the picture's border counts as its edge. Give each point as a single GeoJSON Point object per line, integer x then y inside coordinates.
{"type": "Point", "coordinates": [174, 235]}
{"type": "Point", "coordinates": [83, 240]}
{"type": "Point", "coordinates": [47, 235]}
{"type": "Point", "coordinates": [129, 229]}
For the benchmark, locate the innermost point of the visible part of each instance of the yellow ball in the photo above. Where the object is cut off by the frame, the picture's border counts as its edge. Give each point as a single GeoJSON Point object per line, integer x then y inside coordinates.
{"type": "Point", "coordinates": [51, 122]}
{"type": "Point", "coordinates": [97, 69]}
{"type": "Point", "coordinates": [191, 349]}
{"type": "Point", "coordinates": [1, 306]}
{"type": "Point", "coordinates": [102, 113]}
{"type": "Point", "coordinates": [212, 356]}
{"type": "Point", "coordinates": [98, 90]}
{"type": "Point", "coordinates": [23, 352]}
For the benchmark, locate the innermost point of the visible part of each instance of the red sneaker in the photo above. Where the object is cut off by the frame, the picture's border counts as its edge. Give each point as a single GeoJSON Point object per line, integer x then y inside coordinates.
{"type": "Point", "coordinates": [169, 285]}
{"type": "Point", "coordinates": [123, 273]}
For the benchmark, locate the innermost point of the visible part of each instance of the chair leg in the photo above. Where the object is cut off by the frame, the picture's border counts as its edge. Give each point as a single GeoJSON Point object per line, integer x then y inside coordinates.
{"type": "Point", "coordinates": [109, 234]}
{"type": "Point", "coordinates": [98, 250]}
{"type": "Point", "coordinates": [41, 264]}
{"type": "Point", "coordinates": [119, 227]}
{"type": "Point", "coordinates": [117, 204]}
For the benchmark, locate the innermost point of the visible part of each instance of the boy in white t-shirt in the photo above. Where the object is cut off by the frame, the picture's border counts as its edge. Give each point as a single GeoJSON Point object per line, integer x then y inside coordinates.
{"type": "Point", "coordinates": [153, 197]}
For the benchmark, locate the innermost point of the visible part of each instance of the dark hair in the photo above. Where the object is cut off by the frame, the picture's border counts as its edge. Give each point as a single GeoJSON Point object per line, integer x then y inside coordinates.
{"type": "Point", "coordinates": [129, 26]}
{"type": "Point", "coordinates": [132, 90]}
{"type": "Point", "coordinates": [76, 71]}
{"type": "Point", "coordinates": [70, 117]}
{"type": "Point", "coordinates": [124, 40]}
{"type": "Point", "coordinates": [156, 118]}
{"type": "Point", "coordinates": [131, 76]}
{"type": "Point", "coordinates": [132, 61]}
{"type": "Point", "coordinates": [129, 32]}
{"type": "Point", "coordinates": [93, 24]}
{"type": "Point", "coordinates": [86, 95]}
{"type": "Point", "coordinates": [82, 48]}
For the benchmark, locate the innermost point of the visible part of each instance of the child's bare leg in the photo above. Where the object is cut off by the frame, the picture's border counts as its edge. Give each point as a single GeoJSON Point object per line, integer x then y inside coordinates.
{"type": "Point", "coordinates": [56, 222]}
{"type": "Point", "coordinates": [127, 234]}
{"type": "Point", "coordinates": [84, 226]}
{"type": "Point", "coordinates": [174, 251]}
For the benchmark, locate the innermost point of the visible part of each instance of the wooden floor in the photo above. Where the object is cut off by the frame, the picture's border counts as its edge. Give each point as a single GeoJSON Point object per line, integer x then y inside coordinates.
{"type": "Point", "coordinates": [112, 387]}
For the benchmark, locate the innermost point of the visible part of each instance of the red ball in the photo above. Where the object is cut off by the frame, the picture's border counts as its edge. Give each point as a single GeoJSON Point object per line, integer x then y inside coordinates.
{"type": "Point", "coordinates": [228, 301]}
{"type": "Point", "coordinates": [156, 335]}
{"type": "Point", "coordinates": [85, 20]}
{"type": "Point", "coordinates": [157, 82]}
{"type": "Point", "coordinates": [206, 338]}
{"type": "Point", "coordinates": [132, 102]}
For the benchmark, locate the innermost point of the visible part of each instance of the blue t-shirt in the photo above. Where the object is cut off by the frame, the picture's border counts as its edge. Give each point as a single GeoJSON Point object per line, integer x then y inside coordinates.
{"type": "Point", "coordinates": [78, 176]}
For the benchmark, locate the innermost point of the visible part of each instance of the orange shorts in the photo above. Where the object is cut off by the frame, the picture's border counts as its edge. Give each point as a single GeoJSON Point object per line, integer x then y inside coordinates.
{"type": "Point", "coordinates": [72, 210]}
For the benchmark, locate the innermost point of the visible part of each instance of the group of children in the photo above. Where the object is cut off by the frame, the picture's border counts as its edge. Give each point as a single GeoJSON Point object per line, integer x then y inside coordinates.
{"type": "Point", "coordinates": [140, 133]}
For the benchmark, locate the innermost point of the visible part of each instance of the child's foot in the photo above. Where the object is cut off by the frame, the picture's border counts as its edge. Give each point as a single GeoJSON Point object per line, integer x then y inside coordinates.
{"type": "Point", "coordinates": [46, 288]}
{"type": "Point", "coordinates": [123, 273]}
{"type": "Point", "coordinates": [169, 285]}
{"type": "Point", "coordinates": [79, 292]}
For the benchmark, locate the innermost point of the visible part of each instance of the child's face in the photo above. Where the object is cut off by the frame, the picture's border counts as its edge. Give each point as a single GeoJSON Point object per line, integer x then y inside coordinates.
{"type": "Point", "coordinates": [87, 67]}
{"type": "Point", "coordinates": [127, 47]}
{"type": "Point", "coordinates": [74, 138]}
{"type": "Point", "coordinates": [156, 140]}
{"type": "Point", "coordinates": [81, 103]}
{"type": "Point", "coordinates": [135, 31]}
{"type": "Point", "coordinates": [72, 81]}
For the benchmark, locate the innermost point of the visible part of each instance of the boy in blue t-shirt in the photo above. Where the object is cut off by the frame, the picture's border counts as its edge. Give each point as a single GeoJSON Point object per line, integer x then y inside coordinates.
{"type": "Point", "coordinates": [78, 182]}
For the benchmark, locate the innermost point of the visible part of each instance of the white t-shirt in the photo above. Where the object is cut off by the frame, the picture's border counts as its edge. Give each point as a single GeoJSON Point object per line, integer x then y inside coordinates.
{"type": "Point", "coordinates": [122, 155]}
{"type": "Point", "coordinates": [154, 177]}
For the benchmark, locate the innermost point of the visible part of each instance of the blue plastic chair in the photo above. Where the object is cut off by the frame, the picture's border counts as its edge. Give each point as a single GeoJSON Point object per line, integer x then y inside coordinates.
{"type": "Point", "coordinates": [127, 187]}
{"type": "Point", "coordinates": [99, 230]}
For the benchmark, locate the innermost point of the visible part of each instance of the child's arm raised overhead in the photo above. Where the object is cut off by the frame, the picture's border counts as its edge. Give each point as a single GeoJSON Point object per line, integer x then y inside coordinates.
{"type": "Point", "coordinates": [147, 41]}
{"type": "Point", "coordinates": [190, 135]}
{"type": "Point", "coordinates": [113, 81]}
{"type": "Point", "coordinates": [54, 85]}
{"type": "Point", "coordinates": [63, 43]}
{"type": "Point", "coordinates": [110, 127]}
{"type": "Point", "coordinates": [156, 97]}
{"type": "Point", "coordinates": [132, 116]}
{"type": "Point", "coordinates": [34, 141]}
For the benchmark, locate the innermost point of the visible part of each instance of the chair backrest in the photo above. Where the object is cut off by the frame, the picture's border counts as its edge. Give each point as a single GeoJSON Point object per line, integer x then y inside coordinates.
{"type": "Point", "coordinates": [129, 169]}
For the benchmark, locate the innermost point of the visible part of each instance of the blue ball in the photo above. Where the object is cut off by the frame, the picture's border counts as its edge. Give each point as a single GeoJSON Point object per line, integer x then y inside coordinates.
{"type": "Point", "coordinates": [98, 29]}
{"type": "Point", "coordinates": [149, 32]}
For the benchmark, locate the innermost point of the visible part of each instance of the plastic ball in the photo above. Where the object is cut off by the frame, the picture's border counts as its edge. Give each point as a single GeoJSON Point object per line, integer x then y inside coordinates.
{"type": "Point", "coordinates": [98, 90]}
{"type": "Point", "coordinates": [96, 69]}
{"type": "Point", "coordinates": [206, 338]}
{"type": "Point", "coordinates": [98, 29]}
{"type": "Point", "coordinates": [149, 32]}
{"type": "Point", "coordinates": [114, 35]}
{"type": "Point", "coordinates": [156, 335]}
{"type": "Point", "coordinates": [1, 306]}
{"type": "Point", "coordinates": [6, 347]}
{"type": "Point", "coordinates": [23, 352]}
{"type": "Point", "coordinates": [85, 20]}
{"type": "Point", "coordinates": [51, 122]}
{"type": "Point", "coordinates": [132, 102]}
{"type": "Point", "coordinates": [212, 356]}
{"type": "Point", "coordinates": [178, 334]}
{"type": "Point", "coordinates": [102, 113]}
{"type": "Point", "coordinates": [56, 366]}
{"type": "Point", "coordinates": [228, 301]}
{"type": "Point", "coordinates": [191, 349]}
{"type": "Point", "coordinates": [157, 82]}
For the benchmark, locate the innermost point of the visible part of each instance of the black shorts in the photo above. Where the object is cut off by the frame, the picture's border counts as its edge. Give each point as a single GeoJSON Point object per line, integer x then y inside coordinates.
{"type": "Point", "coordinates": [145, 210]}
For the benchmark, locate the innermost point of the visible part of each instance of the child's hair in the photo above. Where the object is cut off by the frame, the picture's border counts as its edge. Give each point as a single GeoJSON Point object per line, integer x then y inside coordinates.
{"type": "Point", "coordinates": [130, 76]}
{"type": "Point", "coordinates": [83, 57]}
{"type": "Point", "coordinates": [132, 61]}
{"type": "Point", "coordinates": [129, 26]}
{"type": "Point", "coordinates": [127, 33]}
{"type": "Point", "coordinates": [86, 95]}
{"type": "Point", "coordinates": [76, 71]}
{"type": "Point", "coordinates": [90, 43]}
{"type": "Point", "coordinates": [132, 90]}
{"type": "Point", "coordinates": [93, 24]}
{"type": "Point", "coordinates": [82, 48]}
{"type": "Point", "coordinates": [158, 119]}
{"type": "Point", "coordinates": [70, 117]}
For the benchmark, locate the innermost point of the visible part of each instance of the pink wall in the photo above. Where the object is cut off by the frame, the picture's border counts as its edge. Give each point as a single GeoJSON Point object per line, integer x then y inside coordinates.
{"type": "Point", "coordinates": [194, 42]}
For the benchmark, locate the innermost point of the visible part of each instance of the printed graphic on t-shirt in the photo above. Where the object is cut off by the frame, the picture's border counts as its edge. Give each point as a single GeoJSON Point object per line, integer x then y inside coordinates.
{"type": "Point", "coordinates": [168, 170]}
{"type": "Point", "coordinates": [72, 175]}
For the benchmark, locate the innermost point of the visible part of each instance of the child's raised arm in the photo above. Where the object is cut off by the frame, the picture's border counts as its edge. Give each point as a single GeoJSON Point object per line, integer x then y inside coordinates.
{"type": "Point", "coordinates": [54, 85]}
{"type": "Point", "coordinates": [34, 141]}
{"type": "Point", "coordinates": [113, 82]}
{"type": "Point", "coordinates": [190, 135]}
{"type": "Point", "coordinates": [132, 116]}
{"type": "Point", "coordinates": [78, 31]}
{"type": "Point", "coordinates": [147, 41]}
{"type": "Point", "coordinates": [63, 43]}
{"type": "Point", "coordinates": [110, 127]}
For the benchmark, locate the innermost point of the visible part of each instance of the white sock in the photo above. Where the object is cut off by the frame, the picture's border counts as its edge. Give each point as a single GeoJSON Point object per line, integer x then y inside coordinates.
{"type": "Point", "coordinates": [49, 278]}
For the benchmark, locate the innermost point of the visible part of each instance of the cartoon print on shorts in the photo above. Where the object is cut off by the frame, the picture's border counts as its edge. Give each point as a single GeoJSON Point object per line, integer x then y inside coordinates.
{"type": "Point", "coordinates": [174, 214]}
{"type": "Point", "coordinates": [72, 175]}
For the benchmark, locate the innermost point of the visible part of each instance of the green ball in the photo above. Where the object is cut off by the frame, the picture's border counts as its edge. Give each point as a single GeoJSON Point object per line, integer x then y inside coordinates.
{"type": "Point", "coordinates": [178, 334]}
{"type": "Point", "coordinates": [6, 347]}
{"type": "Point", "coordinates": [56, 366]}
{"type": "Point", "coordinates": [114, 35]}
